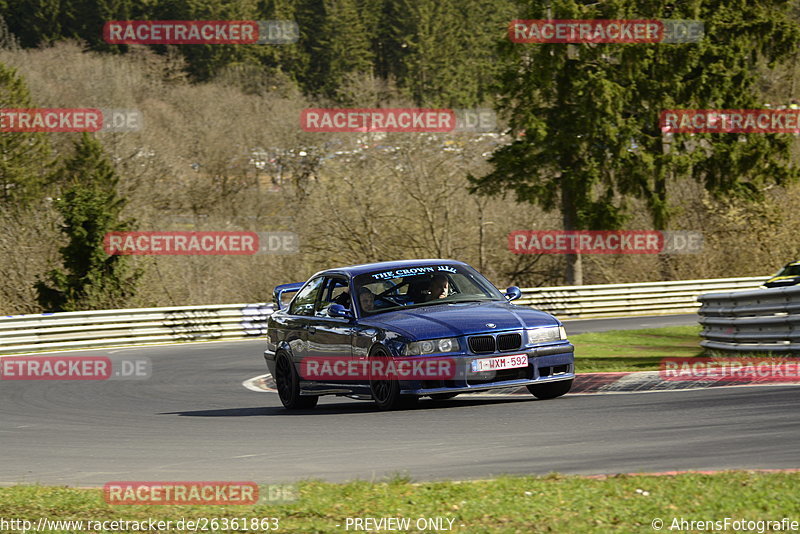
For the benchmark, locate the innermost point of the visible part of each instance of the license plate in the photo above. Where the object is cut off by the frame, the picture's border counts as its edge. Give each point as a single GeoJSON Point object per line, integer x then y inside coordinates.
{"type": "Point", "coordinates": [501, 362]}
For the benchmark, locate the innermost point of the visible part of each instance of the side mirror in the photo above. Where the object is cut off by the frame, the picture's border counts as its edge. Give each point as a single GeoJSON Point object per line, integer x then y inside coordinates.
{"type": "Point", "coordinates": [337, 310]}
{"type": "Point", "coordinates": [513, 293]}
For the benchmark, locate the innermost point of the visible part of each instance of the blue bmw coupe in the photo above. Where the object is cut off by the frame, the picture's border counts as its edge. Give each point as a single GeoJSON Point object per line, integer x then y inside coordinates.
{"type": "Point", "coordinates": [396, 331]}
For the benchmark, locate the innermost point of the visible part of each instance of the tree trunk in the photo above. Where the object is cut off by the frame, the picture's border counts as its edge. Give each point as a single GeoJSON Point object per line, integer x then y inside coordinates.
{"type": "Point", "coordinates": [569, 213]}
{"type": "Point", "coordinates": [481, 235]}
{"type": "Point", "coordinates": [660, 211]}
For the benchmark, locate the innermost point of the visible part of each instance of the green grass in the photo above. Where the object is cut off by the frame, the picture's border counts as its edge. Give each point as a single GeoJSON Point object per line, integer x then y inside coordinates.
{"type": "Point", "coordinates": [634, 350]}
{"type": "Point", "coordinates": [552, 503]}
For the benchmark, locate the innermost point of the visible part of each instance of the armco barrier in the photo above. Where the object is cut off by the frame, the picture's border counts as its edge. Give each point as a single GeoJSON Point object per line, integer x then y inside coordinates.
{"type": "Point", "coordinates": [108, 328]}
{"type": "Point", "coordinates": [765, 320]}
{"type": "Point", "coordinates": [646, 298]}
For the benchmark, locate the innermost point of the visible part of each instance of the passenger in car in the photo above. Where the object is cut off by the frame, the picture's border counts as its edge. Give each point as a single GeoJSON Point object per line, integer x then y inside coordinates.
{"type": "Point", "coordinates": [366, 299]}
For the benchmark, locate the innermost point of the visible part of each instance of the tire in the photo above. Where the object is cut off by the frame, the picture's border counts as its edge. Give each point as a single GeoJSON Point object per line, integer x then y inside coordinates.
{"type": "Point", "coordinates": [288, 383]}
{"type": "Point", "coordinates": [386, 393]}
{"type": "Point", "coordinates": [550, 390]}
{"type": "Point", "coordinates": [443, 396]}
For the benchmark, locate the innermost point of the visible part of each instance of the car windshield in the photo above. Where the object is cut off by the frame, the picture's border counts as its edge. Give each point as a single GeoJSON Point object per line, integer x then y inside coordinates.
{"type": "Point", "coordinates": [391, 289]}
{"type": "Point", "coordinates": [790, 270]}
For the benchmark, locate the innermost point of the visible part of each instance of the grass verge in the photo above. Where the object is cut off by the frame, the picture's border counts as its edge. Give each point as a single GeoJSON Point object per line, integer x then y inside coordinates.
{"type": "Point", "coordinates": [552, 503]}
{"type": "Point", "coordinates": [634, 350]}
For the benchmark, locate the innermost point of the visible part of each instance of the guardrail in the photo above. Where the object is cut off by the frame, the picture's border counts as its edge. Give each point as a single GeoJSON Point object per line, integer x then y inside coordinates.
{"type": "Point", "coordinates": [767, 320]}
{"type": "Point", "coordinates": [109, 328]}
{"type": "Point", "coordinates": [646, 298]}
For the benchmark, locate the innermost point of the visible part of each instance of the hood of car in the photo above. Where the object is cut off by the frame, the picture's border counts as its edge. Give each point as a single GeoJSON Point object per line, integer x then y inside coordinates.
{"type": "Point", "coordinates": [459, 319]}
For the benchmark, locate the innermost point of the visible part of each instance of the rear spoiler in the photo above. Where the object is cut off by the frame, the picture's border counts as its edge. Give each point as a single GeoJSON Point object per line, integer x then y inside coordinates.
{"type": "Point", "coordinates": [279, 291]}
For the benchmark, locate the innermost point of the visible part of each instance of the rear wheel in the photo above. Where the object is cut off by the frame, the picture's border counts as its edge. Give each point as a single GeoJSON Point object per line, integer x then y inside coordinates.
{"type": "Point", "coordinates": [386, 393]}
{"type": "Point", "coordinates": [288, 383]}
{"type": "Point", "coordinates": [550, 390]}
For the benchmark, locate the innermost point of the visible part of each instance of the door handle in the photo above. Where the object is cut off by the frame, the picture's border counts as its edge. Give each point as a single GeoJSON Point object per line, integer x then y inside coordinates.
{"type": "Point", "coordinates": [312, 329]}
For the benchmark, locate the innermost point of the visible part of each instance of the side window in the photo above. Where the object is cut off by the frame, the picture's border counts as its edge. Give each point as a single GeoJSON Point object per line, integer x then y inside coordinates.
{"type": "Point", "coordinates": [303, 303]}
{"type": "Point", "coordinates": [334, 291]}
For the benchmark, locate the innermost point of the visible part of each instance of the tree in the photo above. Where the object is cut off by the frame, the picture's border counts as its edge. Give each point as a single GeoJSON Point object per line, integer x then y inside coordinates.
{"type": "Point", "coordinates": [8, 41]}
{"type": "Point", "coordinates": [721, 71]}
{"type": "Point", "coordinates": [84, 19]}
{"type": "Point", "coordinates": [586, 115]}
{"type": "Point", "coordinates": [205, 61]}
{"type": "Point", "coordinates": [35, 22]}
{"type": "Point", "coordinates": [90, 208]}
{"type": "Point", "coordinates": [566, 115]}
{"type": "Point", "coordinates": [335, 43]}
{"type": "Point", "coordinates": [443, 51]}
{"type": "Point", "coordinates": [24, 156]}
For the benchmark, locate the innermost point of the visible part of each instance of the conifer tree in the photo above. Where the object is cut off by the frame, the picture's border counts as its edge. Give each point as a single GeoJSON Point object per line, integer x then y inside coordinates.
{"type": "Point", "coordinates": [24, 156]}
{"type": "Point", "coordinates": [335, 42]}
{"type": "Point", "coordinates": [586, 116]}
{"type": "Point", "coordinates": [90, 208]}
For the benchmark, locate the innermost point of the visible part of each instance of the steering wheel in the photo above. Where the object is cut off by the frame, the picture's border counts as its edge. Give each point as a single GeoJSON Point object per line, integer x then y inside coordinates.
{"type": "Point", "coordinates": [384, 294]}
{"type": "Point", "coordinates": [389, 299]}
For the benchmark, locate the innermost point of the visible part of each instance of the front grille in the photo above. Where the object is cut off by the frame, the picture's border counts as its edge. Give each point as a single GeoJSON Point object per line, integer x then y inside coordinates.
{"type": "Point", "coordinates": [509, 341]}
{"type": "Point", "coordinates": [487, 344]}
{"type": "Point", "coordinates": [481, 344]}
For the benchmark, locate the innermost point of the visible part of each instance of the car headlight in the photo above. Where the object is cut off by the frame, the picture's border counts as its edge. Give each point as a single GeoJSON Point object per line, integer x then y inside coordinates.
{"type": "Point", "coordinates": [447, 344]}
{"type": "Point", "coordinates": [545, 334]}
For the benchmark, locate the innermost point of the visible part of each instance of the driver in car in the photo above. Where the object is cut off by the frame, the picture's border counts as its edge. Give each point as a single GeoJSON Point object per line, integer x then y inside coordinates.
{"type": "Point", "coordinates": [438, 288]}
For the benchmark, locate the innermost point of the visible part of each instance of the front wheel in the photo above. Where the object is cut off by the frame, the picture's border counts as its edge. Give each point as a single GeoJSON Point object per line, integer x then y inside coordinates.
{"type": "Point", "coordinates": [288, 383]}
{"type": "Point", "coordinates": [550, 390]}
{"type": "Point", "coordinates": [386, 393]}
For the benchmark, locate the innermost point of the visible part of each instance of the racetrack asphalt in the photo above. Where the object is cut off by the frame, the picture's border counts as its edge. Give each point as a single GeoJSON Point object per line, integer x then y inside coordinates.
{"type": "Point", "coordinates": [194, 420]}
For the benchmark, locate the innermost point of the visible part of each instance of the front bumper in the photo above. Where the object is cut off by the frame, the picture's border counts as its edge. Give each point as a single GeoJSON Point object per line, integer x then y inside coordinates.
{"type": "Point", "coordinates": [549, 363]}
